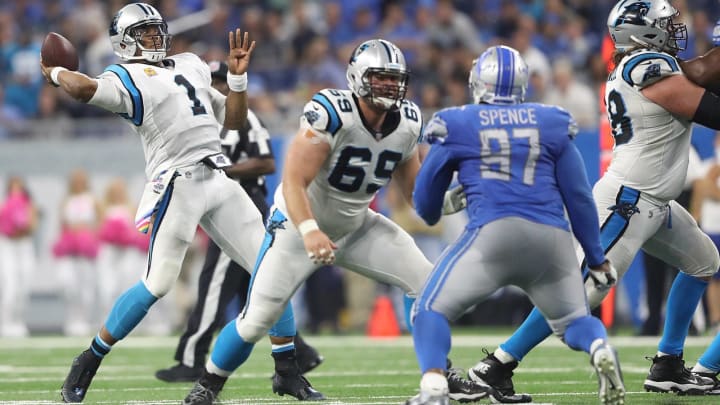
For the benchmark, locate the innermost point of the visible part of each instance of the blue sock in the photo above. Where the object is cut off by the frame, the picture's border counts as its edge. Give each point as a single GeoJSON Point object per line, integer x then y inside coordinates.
{"type": "Point", "coordinates": [285, 326]}
{"type": "Point", "coordinates": [230, 349]}
{"type": "Point", "coordinates": [581, 332]}
{"type": "Point", "coordinates": [710, 359]}
{"type": "Point", "coordinates": [129, 309]}
{"type": "Point", "coordinates": [533, 331]}
{"type": "Point", "coordinates": [409, 302]}
{"type": "Point", "coordinates": [685, 294]}
{"type": "Point", "coordinates": [432, 340]}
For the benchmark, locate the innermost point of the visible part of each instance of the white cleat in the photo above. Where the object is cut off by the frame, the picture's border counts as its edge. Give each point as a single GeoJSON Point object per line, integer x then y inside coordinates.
{"type": "Point", "coordinates": [611, 388]}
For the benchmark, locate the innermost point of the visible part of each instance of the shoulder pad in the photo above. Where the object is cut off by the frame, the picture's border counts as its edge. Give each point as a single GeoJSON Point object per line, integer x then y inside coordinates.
{"type": "Point", "coordinates": [566, 119]}
{"type": "Point", "coordinates": [646, 68]}
{"type": "Point", "coordinates": [436, 130]}
{"type": "Point", "coordinates": [322, 113]}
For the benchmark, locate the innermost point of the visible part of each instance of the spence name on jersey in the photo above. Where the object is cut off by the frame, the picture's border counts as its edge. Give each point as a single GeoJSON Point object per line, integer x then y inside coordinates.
{"type": "Point", "coordinates": [157, 111]}
{"type": "Point", "coordinates": [651, 145]}
{"type": "Point", "coordinates": [360, 162]}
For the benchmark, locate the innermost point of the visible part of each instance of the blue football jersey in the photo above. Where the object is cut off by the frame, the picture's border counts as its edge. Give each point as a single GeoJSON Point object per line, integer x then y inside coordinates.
{"type": "Point", "coordinates": [506, 159]}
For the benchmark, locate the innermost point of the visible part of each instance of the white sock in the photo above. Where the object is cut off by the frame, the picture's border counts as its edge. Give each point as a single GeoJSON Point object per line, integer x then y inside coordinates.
{"type": "Point", "coordinates": [699, 368]}
{"type": "Point", "coordinates": [503, 356]}
{"type": "Point", "coordinates": [595, 344]}
{"type": "Point", "coordinates": [661, 354]}
{"type": "Point", "coordinates": [434, 384]}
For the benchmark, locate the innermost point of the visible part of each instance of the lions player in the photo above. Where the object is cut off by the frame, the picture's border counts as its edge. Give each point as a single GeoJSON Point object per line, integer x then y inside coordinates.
{"type": "Point", "coordinates": [709, 363]}
{"type": "Point", "coordinates": [529, 172]}
{"type": "Point", "coordinates": [171, 105]}
{"type": "Point", "coordinates": [349, 145]}
{"type": "Point", "coordinates": [651, 105]}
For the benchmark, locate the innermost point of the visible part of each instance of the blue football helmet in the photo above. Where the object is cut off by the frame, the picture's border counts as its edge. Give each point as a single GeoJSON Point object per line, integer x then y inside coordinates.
{"type": "Point", "coordinates": [499, 76]}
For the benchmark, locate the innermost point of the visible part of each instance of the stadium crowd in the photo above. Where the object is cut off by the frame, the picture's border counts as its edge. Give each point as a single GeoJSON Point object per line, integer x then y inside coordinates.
{"type": "Point", "coordinates": [304, 45]}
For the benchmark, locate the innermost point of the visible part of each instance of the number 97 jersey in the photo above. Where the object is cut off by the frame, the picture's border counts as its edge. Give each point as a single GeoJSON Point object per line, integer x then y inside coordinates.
{"type": "Point", "coordinates": [651, 145]}
{"type": "Point", "coordinates": [360, 162]}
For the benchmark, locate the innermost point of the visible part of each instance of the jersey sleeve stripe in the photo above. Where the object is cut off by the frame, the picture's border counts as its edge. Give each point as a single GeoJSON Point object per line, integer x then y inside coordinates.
{"type": "Point", "coordinates": [334, 123]}
{"type": "Point", "coordinates": [634, 61]}
{"type": "Point", "coordinates": [135, 95]}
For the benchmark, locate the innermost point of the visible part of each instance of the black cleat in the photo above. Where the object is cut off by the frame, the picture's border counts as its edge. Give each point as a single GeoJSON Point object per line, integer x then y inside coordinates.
{"type": "Point", "coordinates": [206, 390]}
{"type": "Point", "coordinates": [464, 390]}
{"type": "Point", "coordinates": [669, 374]}
{"type": "Point", "coordinates": [491, 371]}
{"type": "Point", "coordinates": [179, 373]}
{"type": "Point", "coordinates": [81, 373]}
{"type": "Point", "coordinates": [295, 385]}
{"type": "Point", "coordinates": [715, 390]}
{"type": "Point", "coordinates": [307, 358]}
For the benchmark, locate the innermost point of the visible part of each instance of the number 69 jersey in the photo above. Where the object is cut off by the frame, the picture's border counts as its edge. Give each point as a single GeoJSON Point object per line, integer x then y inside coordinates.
{"type": "Point", "coordinates": [172, 107]}
{"type": "Point", "coordinates": [360, 161]}
{"type": "Point", "coordinates": [651, 145]}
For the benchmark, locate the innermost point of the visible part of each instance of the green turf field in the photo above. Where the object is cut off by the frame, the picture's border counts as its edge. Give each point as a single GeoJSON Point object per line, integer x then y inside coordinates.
{"type": "Point", "coordinates": [356, 370]}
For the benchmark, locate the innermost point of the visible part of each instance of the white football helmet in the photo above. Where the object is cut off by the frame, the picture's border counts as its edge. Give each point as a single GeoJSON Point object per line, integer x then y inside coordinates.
{"type": "Point", "coordinates": [127, 30]}
{"type": "Point", "coordinates": [647, 24]}
{"type": "Point", "coordinates": [378, 56]}
{"type": "Point", "coordinates": [499, 76]}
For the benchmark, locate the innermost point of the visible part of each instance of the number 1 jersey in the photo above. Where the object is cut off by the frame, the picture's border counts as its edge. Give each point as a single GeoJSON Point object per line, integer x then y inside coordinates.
{"type": "Point", "coordinates": [172, 107]}
{"type": "Point", "coordinates": [651, 149]}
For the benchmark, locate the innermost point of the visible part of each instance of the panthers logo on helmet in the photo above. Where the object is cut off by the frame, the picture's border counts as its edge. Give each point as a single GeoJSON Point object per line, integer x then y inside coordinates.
{"type": "Point", "coordinates": [358, 51]}
{"type": "Point", "coordinates": [114, 24]}
{"type": "Point", "coordinates": [634, 13]}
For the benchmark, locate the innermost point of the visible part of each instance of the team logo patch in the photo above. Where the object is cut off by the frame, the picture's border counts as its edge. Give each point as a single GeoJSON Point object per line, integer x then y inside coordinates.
{"type": "Point", "coordinates": [150, 72]}
{"type": "Point", "coordinates": [312, 116]}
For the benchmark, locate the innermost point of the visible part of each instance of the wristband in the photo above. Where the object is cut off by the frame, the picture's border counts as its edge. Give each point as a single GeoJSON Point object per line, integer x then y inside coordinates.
{"type": "Point", "coordinates": [54, 74]}
{"type": "Point", "coordinates": [237, 83]}
{"type": "Point", "coordinates": [307, 226]}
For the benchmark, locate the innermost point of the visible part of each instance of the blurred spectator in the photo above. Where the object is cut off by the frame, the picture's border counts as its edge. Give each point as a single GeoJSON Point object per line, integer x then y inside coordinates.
{"type": "Point", "coordinates": [451, 26]}
{"type": "Point", "coordinates": [577, 98]}
{"type": "Point", "coordinates": [11, 118]}
{"type": "Point", "coordinates": [121, 256]}
{"type": "Point", "coordinates": [18, 221]}
{"type": "Point", "coordinates": [538, 64]}
{"type": "Point", "coordinates": [318, 69]}
{"type": "Point", "coordinates": [706, 209]}
{"type": "Point", "coordinates": [24, 82]}
{"type": "Point", "coordinates": [76, 250]}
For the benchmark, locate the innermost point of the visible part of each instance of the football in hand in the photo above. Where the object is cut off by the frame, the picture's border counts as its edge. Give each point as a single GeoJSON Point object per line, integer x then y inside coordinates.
{"type": "Point", "coordinates": [56, 50]}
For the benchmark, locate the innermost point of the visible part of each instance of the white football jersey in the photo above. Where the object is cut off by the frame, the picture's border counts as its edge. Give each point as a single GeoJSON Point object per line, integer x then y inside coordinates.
{"type": "Point", "coordinates": [360, 161]}
{"type": "Point", "coordinates": [173, 108]}
{"type": "Point", "coordinates": [651, 144]}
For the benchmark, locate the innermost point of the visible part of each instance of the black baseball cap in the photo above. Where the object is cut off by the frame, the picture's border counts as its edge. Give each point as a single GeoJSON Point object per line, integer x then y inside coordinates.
{"type": "Point", "coordinates": [218, 69]}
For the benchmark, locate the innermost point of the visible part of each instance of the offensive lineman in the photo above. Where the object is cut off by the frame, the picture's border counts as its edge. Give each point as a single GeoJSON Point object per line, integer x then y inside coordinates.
{"type": "Point", "coordinates": [349, 145]}
{"type": "Point", "coordinates": [172, 106]}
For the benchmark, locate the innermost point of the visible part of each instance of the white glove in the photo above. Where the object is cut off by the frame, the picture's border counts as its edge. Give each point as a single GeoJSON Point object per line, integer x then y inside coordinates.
{"type": "Point", "coordinates": [455, 200]}
{"type": "Point", "coordinates": [599, 283]}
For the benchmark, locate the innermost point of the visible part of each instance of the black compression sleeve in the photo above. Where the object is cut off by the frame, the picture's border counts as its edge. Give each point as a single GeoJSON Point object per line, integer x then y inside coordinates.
{"type": "Point", "coordinates": [708, 111]}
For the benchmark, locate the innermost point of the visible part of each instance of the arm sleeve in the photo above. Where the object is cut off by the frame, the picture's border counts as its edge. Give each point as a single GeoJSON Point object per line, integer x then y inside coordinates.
{"type": "Point", "coordinates": [432, 181]}
{"type": "Point", "coordinates": [112, 95]}
{"type": "Point", "coordinates": [578, 199]}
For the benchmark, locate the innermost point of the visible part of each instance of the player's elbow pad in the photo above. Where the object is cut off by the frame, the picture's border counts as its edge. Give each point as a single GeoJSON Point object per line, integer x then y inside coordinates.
{"type": "Point", "coordinates": [707, 111]}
